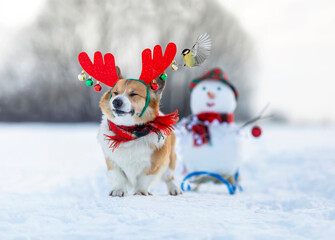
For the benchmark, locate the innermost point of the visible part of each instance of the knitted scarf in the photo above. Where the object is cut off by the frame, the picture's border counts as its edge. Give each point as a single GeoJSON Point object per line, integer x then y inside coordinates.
{"type": "Point", "coordinates": [200, 130]}
{"type": "Point", "coordinates": [161, 125]}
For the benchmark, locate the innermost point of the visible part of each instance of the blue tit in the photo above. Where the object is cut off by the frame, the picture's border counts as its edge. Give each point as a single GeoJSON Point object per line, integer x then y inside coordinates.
{"type": "Point", "coordinates": [199, 52]}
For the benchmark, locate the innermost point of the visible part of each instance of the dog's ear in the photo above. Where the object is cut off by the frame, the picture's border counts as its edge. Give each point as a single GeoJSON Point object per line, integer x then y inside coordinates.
{"type": "Point", "coordinates": [118, 72]}
{"type": "Point", "coordinates": [161, 86]}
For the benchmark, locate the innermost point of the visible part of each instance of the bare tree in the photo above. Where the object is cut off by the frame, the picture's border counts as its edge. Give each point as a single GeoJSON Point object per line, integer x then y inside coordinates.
{"type": "Point", "coordinates": [45, 82]}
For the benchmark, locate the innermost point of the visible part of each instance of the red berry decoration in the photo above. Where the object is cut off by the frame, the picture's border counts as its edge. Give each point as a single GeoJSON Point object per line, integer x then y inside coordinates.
{"type": "Point", "coordinates": [97, 87]}
{"type": "Point", "coordinates": [154, 86]}
{"type": "Point", "coordinates": [256, 131]}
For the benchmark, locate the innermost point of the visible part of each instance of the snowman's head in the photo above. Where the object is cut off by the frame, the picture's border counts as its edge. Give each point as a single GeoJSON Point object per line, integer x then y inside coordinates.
{"type": "Point", "coordinates": [212, 96]}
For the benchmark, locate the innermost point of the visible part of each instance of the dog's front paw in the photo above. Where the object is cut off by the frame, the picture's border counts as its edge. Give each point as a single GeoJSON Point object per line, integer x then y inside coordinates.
{"type": "Point", "coordinates": [117, 193]}
{"type": "Point", "coordinates": [175, 192]}
{"type": "Point", "coordinates": [143, 193]}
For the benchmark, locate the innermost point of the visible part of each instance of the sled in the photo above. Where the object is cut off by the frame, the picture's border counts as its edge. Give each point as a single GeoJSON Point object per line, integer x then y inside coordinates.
{"type": "Point", "coordinates": [189, 185]}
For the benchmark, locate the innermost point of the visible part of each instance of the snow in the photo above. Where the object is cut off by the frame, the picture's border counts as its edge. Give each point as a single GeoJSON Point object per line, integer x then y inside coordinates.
{"type": "Point", "coordinates": [53, 185]}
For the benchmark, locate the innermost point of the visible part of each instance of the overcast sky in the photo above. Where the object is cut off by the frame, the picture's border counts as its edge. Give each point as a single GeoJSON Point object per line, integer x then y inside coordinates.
{"type": "Point", "coordinates": [294, 44]}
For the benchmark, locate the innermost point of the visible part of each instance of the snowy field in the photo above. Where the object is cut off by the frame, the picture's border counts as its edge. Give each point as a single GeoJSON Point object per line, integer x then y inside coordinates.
{"type": "Point", "coordinates": [53, 186]}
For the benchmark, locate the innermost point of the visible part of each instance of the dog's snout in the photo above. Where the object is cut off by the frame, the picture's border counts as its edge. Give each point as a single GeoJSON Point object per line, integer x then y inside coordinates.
{"type": "Point", "coordinates": [117, 103]}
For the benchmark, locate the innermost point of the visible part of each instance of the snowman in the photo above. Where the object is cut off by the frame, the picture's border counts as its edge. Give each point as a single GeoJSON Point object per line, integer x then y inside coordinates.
{"type": "Point", "coordinates": [210, 139]}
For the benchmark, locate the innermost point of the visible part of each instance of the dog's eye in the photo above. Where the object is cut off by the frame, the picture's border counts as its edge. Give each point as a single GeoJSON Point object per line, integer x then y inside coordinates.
{"type": "Point", "coordinates": [115, 93]}
{"type": "Point", "coordinates": [133, 94]}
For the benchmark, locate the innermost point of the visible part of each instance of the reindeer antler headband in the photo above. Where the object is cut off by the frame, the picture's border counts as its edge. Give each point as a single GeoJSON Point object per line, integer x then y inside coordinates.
{"type": "Point", "coordinates": [103, 69]}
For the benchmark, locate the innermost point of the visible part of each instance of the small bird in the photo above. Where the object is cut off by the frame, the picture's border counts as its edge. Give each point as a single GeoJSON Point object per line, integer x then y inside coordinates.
{"type": "Point", "coordinates": [199, 52]}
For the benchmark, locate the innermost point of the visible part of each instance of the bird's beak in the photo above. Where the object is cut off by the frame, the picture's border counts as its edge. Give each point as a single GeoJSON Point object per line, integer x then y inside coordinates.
{"type": "Point", "coordinates": [211, 95]}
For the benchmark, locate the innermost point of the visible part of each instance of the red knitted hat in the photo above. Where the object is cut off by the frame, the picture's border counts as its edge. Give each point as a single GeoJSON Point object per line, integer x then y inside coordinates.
{"type": "Point", "coordinates": [216, 74]}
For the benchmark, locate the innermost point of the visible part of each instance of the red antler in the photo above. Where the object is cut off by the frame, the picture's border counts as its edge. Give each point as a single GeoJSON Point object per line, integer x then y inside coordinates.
{"type": "Point", "coordinates": [103, 72]}
{"type": "Point", "coordinates": [153, 67]}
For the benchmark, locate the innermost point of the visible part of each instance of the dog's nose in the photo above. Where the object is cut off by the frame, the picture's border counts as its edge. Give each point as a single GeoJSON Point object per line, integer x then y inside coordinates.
{"type": "Point", "coordinates": [117, 103]}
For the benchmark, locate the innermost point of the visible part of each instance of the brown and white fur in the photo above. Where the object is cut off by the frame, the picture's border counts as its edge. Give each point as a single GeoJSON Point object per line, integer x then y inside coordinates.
{"type": "Point", "coordinates": [141, 162]}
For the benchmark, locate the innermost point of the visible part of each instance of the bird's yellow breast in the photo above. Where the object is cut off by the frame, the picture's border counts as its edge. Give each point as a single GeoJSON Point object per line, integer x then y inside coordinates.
{"type": "Point", "coordinates": [189, 59]}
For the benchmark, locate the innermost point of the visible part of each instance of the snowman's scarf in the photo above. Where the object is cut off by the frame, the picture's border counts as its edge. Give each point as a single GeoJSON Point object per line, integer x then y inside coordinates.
{"type": "Point", "coordinates": [161, 125]}
{"type": "Point", "coordinates": [199, 126]}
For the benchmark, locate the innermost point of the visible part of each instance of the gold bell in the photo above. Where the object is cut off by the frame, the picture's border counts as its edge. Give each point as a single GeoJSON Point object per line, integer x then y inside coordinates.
{"type": "Point", "coordinates": [174, 65]}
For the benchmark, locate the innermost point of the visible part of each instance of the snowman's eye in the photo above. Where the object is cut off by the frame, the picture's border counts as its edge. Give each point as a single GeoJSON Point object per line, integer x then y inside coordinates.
{"type": "Point", "coordinates": [219, 88]}
{"type": "Point", "coordinates": [204, 88]}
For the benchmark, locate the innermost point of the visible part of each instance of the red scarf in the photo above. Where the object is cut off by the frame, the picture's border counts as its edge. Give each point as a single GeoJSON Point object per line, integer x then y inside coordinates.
{"type": "Point", "coordinates": [200, 131]}
{"type": "Point", "coordinates": [161, 125]}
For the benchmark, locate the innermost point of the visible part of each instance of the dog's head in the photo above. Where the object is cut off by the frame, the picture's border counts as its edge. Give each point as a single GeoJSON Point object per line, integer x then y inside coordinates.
{"type": "Point", "coordinates": [124, 103]}
{"type": "Point", "coordinates": [131, 101]}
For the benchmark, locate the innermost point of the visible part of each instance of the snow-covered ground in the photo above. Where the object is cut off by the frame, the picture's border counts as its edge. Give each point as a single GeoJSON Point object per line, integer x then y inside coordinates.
{"type": "Point", "coordinates": [53, 186]}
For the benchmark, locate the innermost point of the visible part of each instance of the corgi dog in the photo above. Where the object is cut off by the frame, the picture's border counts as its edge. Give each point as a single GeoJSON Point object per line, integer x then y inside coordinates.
{"type": "Point", "coordinates": [137, 163]}
{"type": "Point", "coordinates": [136, 138]}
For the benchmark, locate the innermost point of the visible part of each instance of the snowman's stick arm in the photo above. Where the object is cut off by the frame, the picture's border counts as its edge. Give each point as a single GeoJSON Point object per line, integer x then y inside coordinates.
{"type": "Point", "coordinates": [255, 120]}
{"type": "Point", "coordinates": [264, 109]}
{"type": "Point", "coordinates": [259, 117]}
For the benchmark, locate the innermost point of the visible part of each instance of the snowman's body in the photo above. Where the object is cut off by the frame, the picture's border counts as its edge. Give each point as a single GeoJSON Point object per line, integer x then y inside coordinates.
{"type": "Point", "coordinates": [222, 153]}
{"type": "Point", "coordinates": [221, 156]}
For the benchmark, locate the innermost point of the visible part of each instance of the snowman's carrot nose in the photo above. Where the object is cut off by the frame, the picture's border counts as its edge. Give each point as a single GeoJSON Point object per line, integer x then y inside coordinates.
{"type": "Point", "coordinates": [210, 95]}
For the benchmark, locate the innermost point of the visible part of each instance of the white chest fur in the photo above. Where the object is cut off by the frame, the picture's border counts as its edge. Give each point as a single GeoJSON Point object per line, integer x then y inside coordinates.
{"type": "Point", "coordinates": [133, 157]}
